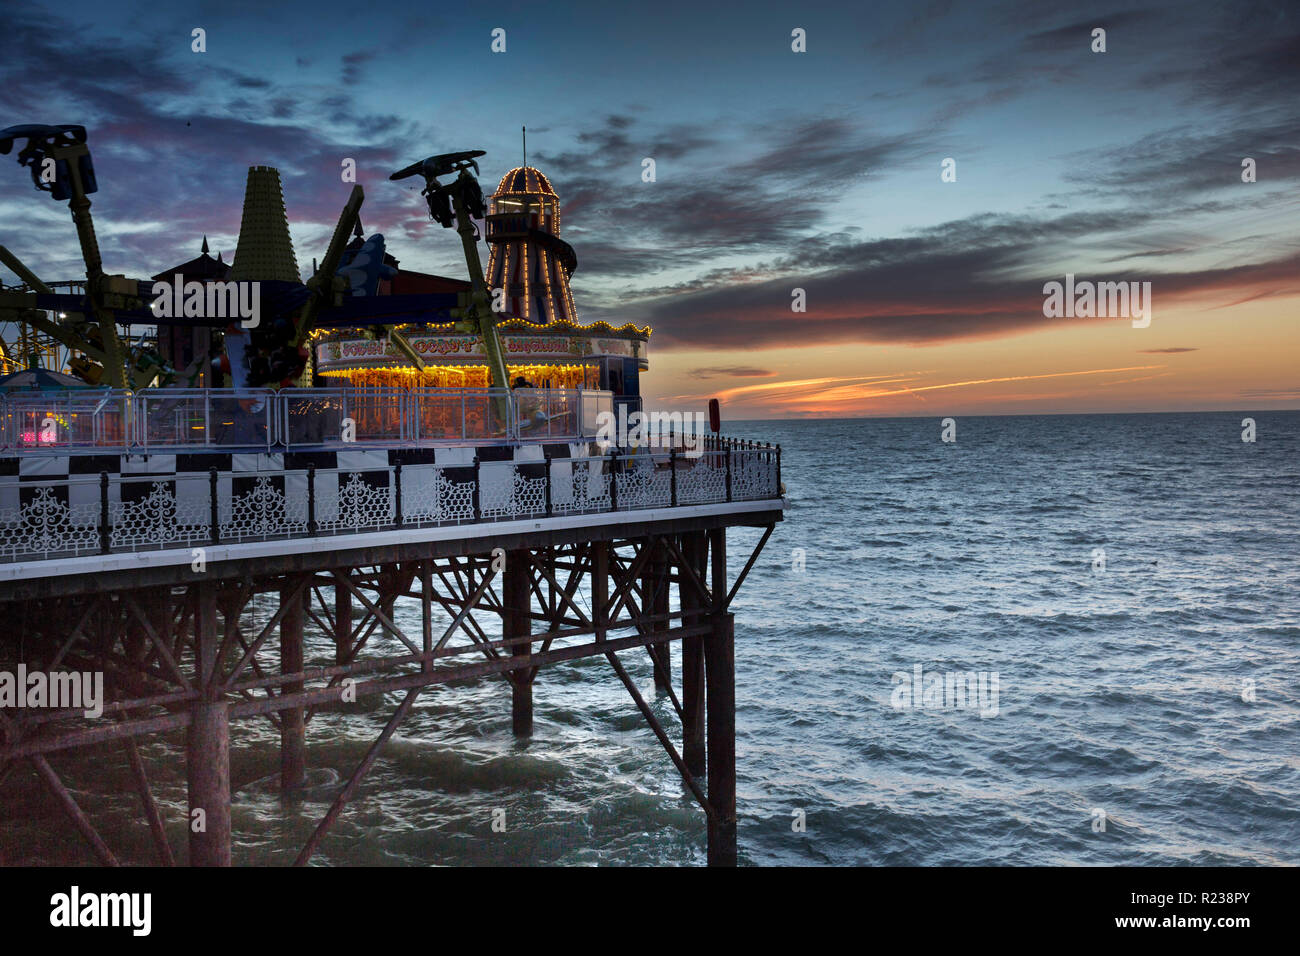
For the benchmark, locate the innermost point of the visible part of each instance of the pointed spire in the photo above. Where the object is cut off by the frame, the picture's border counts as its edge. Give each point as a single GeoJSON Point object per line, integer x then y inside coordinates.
{"type": "Point", "coordinates": [204, 250]}
{"type": "Point", "coordinates": [265, 250]}
{"type": "Point", "coordinates": [356, 230]}
{"type": "Point", "coordinates": [219, 255]}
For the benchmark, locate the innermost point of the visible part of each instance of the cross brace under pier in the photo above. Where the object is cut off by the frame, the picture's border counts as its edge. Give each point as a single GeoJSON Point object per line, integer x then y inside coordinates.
{"type": "Point", "coordinates": [193, 655]}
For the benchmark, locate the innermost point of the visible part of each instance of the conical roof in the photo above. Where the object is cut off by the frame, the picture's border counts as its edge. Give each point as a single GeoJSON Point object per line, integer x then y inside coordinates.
{"type": "Point", "coordinates": [265, 251]}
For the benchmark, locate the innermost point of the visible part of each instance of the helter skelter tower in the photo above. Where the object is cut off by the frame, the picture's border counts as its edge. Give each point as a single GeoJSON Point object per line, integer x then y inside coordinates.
{"type": "Point", "coordinates": [529, 260]}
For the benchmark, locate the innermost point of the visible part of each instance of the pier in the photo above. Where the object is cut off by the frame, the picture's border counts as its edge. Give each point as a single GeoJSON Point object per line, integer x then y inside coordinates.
{"type": "Point", "coordinates": [137, 527]}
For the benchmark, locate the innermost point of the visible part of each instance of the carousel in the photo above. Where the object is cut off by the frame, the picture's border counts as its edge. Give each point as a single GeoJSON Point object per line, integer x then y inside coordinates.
{"type": "Point", "coordinates": [543, 343]}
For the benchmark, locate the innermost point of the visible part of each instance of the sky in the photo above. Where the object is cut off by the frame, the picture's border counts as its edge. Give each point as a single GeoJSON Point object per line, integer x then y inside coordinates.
{"type": "Point", "coordinates": [776, 170]}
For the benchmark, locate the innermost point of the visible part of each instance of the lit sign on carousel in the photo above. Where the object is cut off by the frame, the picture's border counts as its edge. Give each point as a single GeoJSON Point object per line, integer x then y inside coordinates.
{"type": "Point", "coordinates": [373, 353]}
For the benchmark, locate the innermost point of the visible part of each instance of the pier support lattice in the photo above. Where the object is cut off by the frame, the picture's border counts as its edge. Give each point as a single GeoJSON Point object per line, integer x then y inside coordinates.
{"type": "Point", "coordinates": [187, 654]}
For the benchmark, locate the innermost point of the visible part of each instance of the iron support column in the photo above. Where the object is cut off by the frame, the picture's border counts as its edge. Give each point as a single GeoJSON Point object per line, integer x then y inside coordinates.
{"type": "Point", "coordinates": [342, 624]}
{"type": "Point", "coordinates": [208, 744]}
{"type": "Point", "coordinates": [655, 602]}
{"type": "Point", "coordinates": [516, 622]}
{"type": "Point", "coordinates": [720, 666]}
{"type": "Point", "coordinates": [692, 657]}
{"type": "Point", "coordinates": [293, 735]}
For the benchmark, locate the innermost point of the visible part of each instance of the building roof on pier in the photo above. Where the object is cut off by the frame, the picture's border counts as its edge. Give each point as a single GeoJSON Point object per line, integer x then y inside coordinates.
{"type": "Point", "coordinates": [201, 268]}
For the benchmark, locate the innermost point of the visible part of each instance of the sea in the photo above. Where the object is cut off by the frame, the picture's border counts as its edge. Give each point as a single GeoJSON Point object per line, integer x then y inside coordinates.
{"type": "Point", "coordinates": [1051, 640]}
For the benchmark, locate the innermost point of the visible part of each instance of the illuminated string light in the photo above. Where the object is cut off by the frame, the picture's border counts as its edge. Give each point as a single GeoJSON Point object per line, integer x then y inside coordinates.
{"type": "Point", "coordinates": [514, 322]}
{"type": "Point", "coordinates": [468, 376]}
{"type": "Point", "coordinates": [524, 194]}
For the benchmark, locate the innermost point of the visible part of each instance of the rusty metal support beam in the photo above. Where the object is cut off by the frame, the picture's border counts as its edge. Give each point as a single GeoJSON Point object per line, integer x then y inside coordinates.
{"type": "Point", "coordinates": [271, 625]}
{"type": "Point", "coordinates": [160, 645]}
{"type": "Point", "coordinates": [692, 660]}
{"type": "Point", "coordinates": [627, 579]}
{"type": "Point", "coordinates": [74, 812]}
{"type": "Point", "coordinates": [426, 611]}
{"type": "Point", "coordinates": [691, 571]}
{"type": "Point", "coordinates": [92, 606]}
{"type": "Point", "coordinates": [720, 668]}
{"type": "Point", "coordinates": [655, 601]}
{"type": "Point", "coordinates": [444, 675]}
{"type": "Point", "coordinates": [342, 624]}
{"type": "Point", "coordinates": [150, 806]}
{"type": "Point", "coordinates": [515, 624]}
{"type": "Point", "coordinates": [351, 787]}
{"type": "Point", "coordinates": [376, 610]}
{"type": "Point", "coordinates": [293, 730]}
{"type": "Point", "coordinates": [208, 744]}
{"type": "Point", "coordinates": [664, 739]}
{"type": "Point", "coordinates": [600, 588]}
{"type": "Point", "coordinates": [718, 573]}
{"type": "Point", "coordinates": [758, 549]}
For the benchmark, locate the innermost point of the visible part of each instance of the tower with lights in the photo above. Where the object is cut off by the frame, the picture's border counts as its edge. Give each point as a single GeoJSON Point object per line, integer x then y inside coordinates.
{"type": "Point", "coordinates": [529, 260]}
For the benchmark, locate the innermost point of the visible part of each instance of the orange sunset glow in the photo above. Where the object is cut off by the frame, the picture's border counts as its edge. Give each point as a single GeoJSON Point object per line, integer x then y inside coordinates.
{"type": "Point", "coordinates": [1244, 356]}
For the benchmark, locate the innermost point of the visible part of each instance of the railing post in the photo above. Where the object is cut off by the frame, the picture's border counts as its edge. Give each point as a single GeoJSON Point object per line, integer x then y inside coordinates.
{"type": "Point", "coordinates": [397, 488]}
{"type": "Point", "coordinates": [104, 533]}
{"type": "Point", "coordinates": [136, 422]}
{"type": "Point", "coordinates": [311, 499]}
{"type": "Point", "coordinates": [269, 424]}
{"type": "Point", "coordinates": [478, 510]}
{"type": "Point", "coordinates": [777, 489]}
{"type": "Point", "coordinates": [549, 507]}
{"type": "Point", "coordinates": [672, 475]}
{"type": "Point", "coordinates": [213, 517]}
{"type": "Point", "coordinates": [613, 481]}
{"type": "Point", "coordinates": [728, 454]}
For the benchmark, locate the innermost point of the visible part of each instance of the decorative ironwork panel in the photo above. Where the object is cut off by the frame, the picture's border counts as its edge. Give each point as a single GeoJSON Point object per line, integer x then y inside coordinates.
{"type": "Point", "coordinates": [643, 485]}
{"type": "Point", "coordinates": [151, 520]}
{"type": "Point", "coordinates": [363, 504]}
{"type": "Point", "coordinates": [437, 499]}
{"type": "Point", "coordinates": [525, 496]}
{"type": "Point", "coordinates": [261, 513]}
{"type": "Point", "coordinates": [590, 487]}
{"type": "Point", "coordinates": [704, 481]}
{"type": "Point", "coordinates": [753, 475]}
{"type": "Point", "coordinates": [47, 526]}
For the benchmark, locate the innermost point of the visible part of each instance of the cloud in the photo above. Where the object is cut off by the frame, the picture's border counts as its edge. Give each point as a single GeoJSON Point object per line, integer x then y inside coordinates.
{"type": "Point", "coordinates": [1077, 36]}
{"type": "Point", "coordinates": [700, 209]}
{"type": "Point", "coordinates": [352, 65]}
{"type": "Point", "coordinates": [748, 203]}
{"type": "Point", "coordinates": [173, 135]}
{"type": "Point", "coordinates": [730, 371]}
{"type": "Point", "coordinates": [1288, 393]}
{"type": "Point", "coordinates": [973, 278]}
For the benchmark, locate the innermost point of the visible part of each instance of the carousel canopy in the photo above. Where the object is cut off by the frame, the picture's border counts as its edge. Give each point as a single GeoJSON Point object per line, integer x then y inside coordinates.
{"type": "Point", "coordinates": [41, 379]}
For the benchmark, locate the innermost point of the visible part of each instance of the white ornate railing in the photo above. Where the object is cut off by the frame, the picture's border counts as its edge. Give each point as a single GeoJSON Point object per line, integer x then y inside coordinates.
{"type": "Point", "coordinates": [105, 513]}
